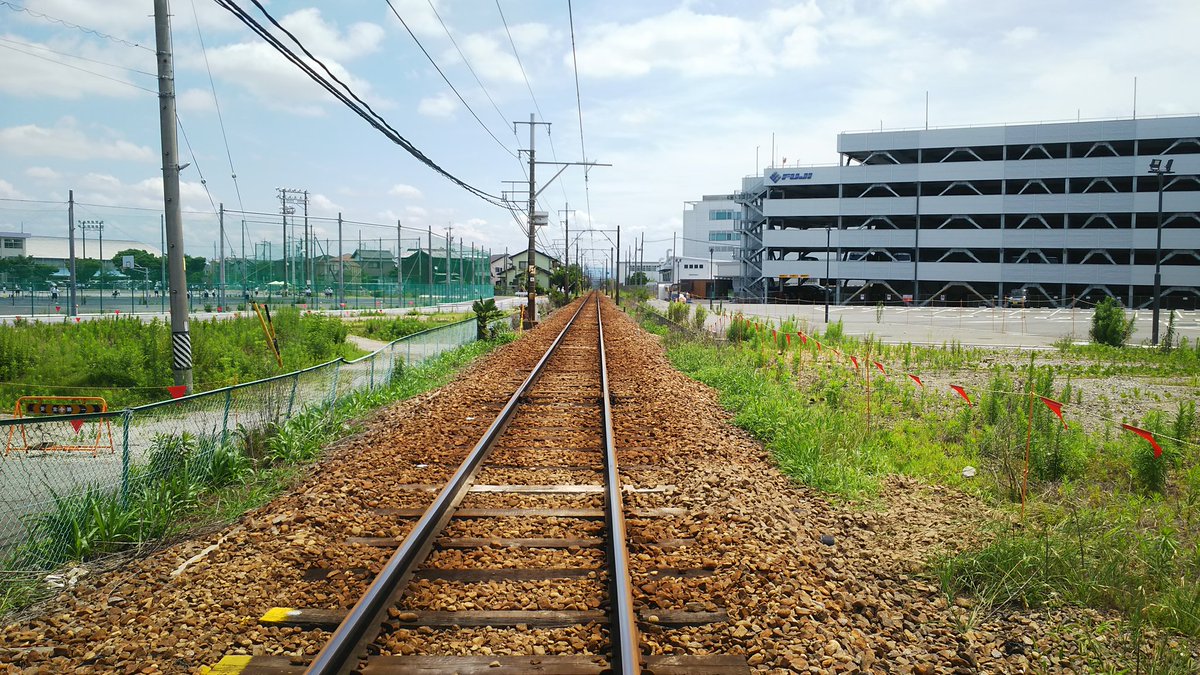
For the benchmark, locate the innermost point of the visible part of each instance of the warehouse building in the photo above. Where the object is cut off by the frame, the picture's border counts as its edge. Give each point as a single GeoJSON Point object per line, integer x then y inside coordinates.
{"type": "Point", "coordinates": [1045, 214]}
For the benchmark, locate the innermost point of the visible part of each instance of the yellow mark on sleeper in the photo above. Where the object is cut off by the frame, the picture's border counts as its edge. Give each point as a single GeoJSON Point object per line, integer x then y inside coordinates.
{"type": "Point", "coordinates": [276, 615]}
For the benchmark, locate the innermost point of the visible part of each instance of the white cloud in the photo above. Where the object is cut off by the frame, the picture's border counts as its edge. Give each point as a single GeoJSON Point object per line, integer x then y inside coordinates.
{"type": "Point", "coordinates": [441, 105]}
{"type": "Point", "coordinates": [43, 173]}
{"type": "Point", "coordinates": [416, 211]}
{"type": "Point", "coordinates": [405, 190]}
{"type": "Point", "coordinates": [490, 58]}
{"type": "Point", "coordinates": [195, 100]}
{"type": "Point", "coordinates": [8, 191]}
{"type": "Point", "coordinates": [703, 45]}
{"type": "Point", "coordinates": [35, 69]}
{"type": "Point", "coordinates": [279, 84]}
{"type": "Point", "coordinates": [67, 141]}
{"type": "Point", "coordinates": [1019, 35]}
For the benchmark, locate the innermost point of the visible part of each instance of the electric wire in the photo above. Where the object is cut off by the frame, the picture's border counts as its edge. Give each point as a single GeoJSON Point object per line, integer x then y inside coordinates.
{"type": "Point", "coordinates": [38, 15]}
{"type": "Point", "coordinates": [82, 70]}
{"type": "Point", "coordinates": [33, 45]}
{"type": "Point", "coordinates": [345, 94]}
{"type": "Point", "coordinates": [443, 74]}
{"type": "Point", "coordinates": [587, 192]}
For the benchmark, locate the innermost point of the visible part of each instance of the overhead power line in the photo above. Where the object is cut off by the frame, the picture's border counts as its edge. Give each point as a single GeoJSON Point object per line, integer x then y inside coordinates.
{"type": "Point", "coordinates": [587, 193]}
{"type": "Point", "coordinates": [68, 24]}
{"type": "Point", "coordinates": [82, 70]}
{"type": "Point", "coordinates": [443, 74]}
{"type": "Point", "coordinates": [344, 93]}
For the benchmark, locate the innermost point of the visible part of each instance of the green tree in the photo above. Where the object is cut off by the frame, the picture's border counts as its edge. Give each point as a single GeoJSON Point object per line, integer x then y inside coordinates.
{"type": "Point", "coordinates": [24, 270]}
{"type": "Point", "coordinates": [195, 267]}
{"type": "Point", "coordinates": [638, 278]}
{"type": "Point", "coordinates": [141, 258]}
{"type": "Point", "coordinates": [1109, 325]}
{"type": "Point", "coordinates": [486, 313]}
{"type": "Point", "coordinates": [569, 278]}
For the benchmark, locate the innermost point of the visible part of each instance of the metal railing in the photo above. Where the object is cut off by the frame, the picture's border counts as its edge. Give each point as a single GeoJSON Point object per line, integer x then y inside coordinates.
{"type": "Point", "coordinates": [36, 481]}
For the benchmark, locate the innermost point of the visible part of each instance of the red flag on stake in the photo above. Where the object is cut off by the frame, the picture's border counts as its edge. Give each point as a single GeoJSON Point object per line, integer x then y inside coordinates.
{"type": "Point", "coordinates": [963, 393]}
{"type": "Point", "coordinates": [1146, 435]}
{"type": "Point", "coordinates": [803, 338]}
{"type": "Point", "coordinates": [880, 367]}
{"type": "Point", "coordinates": [917, 380]}
{"type": "Point", "coordinates": [818, 344]}
{"type": "Point", "coordinates": [774, 335]}
{"type": "Point", "coordinates": [1056, 408]}
{"type": "Point", "coordinates": [177, 391]}
{"type": "Point", "coordinates": [835, 351]}
{"type": "Point", "coordinates": [855, 361]}
{"type": "Point", "coordinates": [789, 338]}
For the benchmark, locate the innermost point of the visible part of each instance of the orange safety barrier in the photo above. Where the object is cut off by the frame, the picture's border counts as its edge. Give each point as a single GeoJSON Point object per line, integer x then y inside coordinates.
{"type": "Point", "coordinates": [37, 406]}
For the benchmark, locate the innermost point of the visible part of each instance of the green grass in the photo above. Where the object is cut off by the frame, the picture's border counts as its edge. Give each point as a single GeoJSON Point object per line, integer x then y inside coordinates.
{"type": "Point", "coordinates": [389, 329]}
{"type": "Point", "coordinates": [1109, 525]}
{"type": "Point", "coordinates": [128, 361]}
{"type": "Point", "coordinates": [191, 481]}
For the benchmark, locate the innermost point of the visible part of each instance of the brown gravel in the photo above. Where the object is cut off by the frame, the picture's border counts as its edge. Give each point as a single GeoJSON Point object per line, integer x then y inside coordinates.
{"type": "Point", "coordinates": [795, 604]}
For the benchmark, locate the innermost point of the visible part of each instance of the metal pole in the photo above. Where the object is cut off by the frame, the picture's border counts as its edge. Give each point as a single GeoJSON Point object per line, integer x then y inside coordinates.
{"type": "Point", "coordinates": [102, 274]}
{"type": "Point", "coordinates": [430, 242]}
{"type": "Point", "coordinates": [399, 266]}
{"type": "Point", "coordinates": [341, 266]}
{"type": "Point", "coordinates": [308, 257]}
{"type": "Point", "coordinates": [531, 265]}
{"type": "Point", "coordinates": [827, 273]}
{"type": "Point", "coordinates": [617, 265]}
{"type": "Point", "coordinates": [712, 276]}
{"type": "Point", "coordinates": [74, 308]}
{"type": "Point", "coordinates": [181, 341]}
{"type": "Point", "coordinates": [1157, 262]}
{"type": "Point", "coordinates": [221, 268]}
{"type": "Point", "coordinates": [448, 241]}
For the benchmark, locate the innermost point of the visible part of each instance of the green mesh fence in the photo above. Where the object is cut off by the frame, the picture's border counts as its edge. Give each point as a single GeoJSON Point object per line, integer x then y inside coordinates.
{"type": "Point", "coordinates": [55, 468]}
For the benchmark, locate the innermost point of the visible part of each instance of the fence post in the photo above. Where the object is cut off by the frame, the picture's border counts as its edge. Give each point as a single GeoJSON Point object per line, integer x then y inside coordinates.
{"type": "Point", "coordinates": [337, 369]}
{"type": "Point", "coordinates": [125, 417]}
{"type": "Point", "coordinates": [292, 398]}
{"type": "Point", "coordinates": [371, 383]}
{"type": "Point", "coordinates": [225, 419]}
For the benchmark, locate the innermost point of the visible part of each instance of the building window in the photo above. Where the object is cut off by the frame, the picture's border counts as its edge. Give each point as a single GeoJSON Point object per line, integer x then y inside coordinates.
{"type": "Point", "coordinates": [722, 214]}
{"type": "Point", "coordinates": [722, 235]}
{"type": "Point", "coordinates": [12, 243]}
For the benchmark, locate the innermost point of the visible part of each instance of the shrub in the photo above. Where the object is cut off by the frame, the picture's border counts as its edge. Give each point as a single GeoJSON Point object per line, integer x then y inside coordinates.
{"type": "Point", "coordinates": [486, 313]}
{"type": "Point", "coordinates": [677, 312]}
{"type": "Point", "coordinates": [738, 329]}
{"type": "Point", "coordinates": [1109, 325]}
{"type": "Point", "coordinates": [834, 332]}
{"type": "Point", "coordinates": [699, 317]}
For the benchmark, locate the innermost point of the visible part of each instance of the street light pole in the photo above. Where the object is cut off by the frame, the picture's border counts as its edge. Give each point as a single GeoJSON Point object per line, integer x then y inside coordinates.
{"type": "Point", "coordinates": [1157, 167]}
{"type": "Point", "coordinates": [97, 225]}
{"type": "Point", "coordinates": [826, 284]}
{"type": "Point", "coordinates": [712, 278]}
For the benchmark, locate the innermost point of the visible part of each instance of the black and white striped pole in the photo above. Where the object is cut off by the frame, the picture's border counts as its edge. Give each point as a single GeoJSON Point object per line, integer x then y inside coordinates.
{"type": "Point", "coordinates": [181, 342]}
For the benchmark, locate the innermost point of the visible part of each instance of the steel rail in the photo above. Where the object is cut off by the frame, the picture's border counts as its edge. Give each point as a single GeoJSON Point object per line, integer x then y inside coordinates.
{"type": "Point", "coordinates": [623, 631]}
{"type": "Point", "coordinates": [364, 622]}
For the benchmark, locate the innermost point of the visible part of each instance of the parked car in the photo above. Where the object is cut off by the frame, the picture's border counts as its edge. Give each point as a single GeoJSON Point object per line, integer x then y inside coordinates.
{"type": "Point", "coordinates": [1017, 297]}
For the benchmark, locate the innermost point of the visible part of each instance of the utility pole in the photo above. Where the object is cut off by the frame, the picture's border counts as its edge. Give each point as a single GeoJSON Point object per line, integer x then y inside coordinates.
{"type": "Point", "coordinates": [181, 340]}
{"type": "Point", "coordinates": [400, 267]}
{"type": "Point", "coordinates": [449, 230]}
{"type": "Point", "coordinates": [310, 270]}
{"type": "Point", "coordinates": [533, 219]}
{"type": "Point", "coordinates": [617, 265]}
{"type": "Point", "coordinates": [74, 308]}
{"type": "Point", "coordinates": [430, 242]}
{"type": "Point", "coordinates": [221, 268]}
{"type": "Point", "coordinates": [341, 266]}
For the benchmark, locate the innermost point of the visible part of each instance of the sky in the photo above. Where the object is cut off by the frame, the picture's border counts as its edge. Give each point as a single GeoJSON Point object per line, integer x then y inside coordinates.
{"type": "Point", "coordinates": [681, 98]}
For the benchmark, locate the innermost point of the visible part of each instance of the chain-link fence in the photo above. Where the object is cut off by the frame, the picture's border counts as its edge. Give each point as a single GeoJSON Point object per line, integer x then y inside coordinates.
{"type": "Point", "coordinates": [65, 479]}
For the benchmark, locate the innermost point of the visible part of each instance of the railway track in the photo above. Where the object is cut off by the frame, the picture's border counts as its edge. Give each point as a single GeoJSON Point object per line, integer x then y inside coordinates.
{"type": "Point", "coordinates": [523, 551]}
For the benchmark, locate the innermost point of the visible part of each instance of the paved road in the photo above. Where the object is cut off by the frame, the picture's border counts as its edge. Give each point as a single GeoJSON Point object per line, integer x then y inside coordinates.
{"type": "Point", "coordinates": [974, 326]}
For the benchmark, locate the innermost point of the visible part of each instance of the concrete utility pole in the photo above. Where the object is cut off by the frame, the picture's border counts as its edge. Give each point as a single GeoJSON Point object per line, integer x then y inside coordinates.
{"type": "Point", "coordinates": [617, 264]}
{"type": "Point", "coordinates": [181, 340]}
{"type": "Point", "coordinates": [533, 218]}
{"type": "Point", "coordinates": [73, 310]}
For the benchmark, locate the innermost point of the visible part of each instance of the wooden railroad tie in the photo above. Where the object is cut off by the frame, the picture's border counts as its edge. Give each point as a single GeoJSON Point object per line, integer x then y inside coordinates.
{"type": "Point", "coordinates": [712, 664]}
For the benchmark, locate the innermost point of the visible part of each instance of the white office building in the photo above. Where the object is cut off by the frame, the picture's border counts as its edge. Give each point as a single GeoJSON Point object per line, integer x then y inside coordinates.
{"type": "Point", "coordinates": [1061, 212]}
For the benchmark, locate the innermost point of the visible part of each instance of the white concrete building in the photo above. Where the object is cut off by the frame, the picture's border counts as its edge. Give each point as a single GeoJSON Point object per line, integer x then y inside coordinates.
{"type": "Point", "coordinates": [1061, 211]}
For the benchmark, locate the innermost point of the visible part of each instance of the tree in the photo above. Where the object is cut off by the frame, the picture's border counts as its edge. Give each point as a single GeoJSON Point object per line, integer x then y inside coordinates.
{"type": "Point", "coordinates": [486, 314]}
{"type": "Point", "coordinates": [24, 270]}
{"type": "Point", "coordinates": [141, 258]}
{"type": "Point", "coordinates": [638, 278]}
{"type": "Point", "coordinates": [569, 278]}
{"type": "Point", "coordinates": [1109, 325]}
{"type": "Point", "coordinates": [195, 266]}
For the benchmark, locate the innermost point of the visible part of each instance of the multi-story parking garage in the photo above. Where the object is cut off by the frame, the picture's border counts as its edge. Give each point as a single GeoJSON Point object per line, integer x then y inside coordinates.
{"type": "Point", "coordinates": [1054, 212]}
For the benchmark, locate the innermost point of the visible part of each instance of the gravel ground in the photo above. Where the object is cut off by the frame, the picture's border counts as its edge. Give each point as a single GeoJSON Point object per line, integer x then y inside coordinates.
{"type": "Point", "coordinates": [859, 604]}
